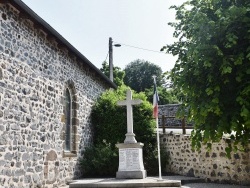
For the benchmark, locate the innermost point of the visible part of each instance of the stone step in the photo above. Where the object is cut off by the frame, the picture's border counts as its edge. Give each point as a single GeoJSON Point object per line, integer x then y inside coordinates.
{"type": "Point", "coordinates": [113, 182]}
{"type": "Point", "coordinates": [184, 179]}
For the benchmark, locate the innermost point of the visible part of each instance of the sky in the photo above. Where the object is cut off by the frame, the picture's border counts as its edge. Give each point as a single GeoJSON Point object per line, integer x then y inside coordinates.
{"type": "Point", "coordinates": [88, 24]}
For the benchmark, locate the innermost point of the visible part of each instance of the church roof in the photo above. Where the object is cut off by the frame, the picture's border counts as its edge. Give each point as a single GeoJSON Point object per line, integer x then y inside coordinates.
{"type": "Point", "coordinates": [28, 13]}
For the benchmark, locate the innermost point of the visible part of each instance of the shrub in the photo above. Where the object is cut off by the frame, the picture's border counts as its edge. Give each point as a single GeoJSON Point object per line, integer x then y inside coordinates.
{"type": "Point", "coordinates": [100, 160]}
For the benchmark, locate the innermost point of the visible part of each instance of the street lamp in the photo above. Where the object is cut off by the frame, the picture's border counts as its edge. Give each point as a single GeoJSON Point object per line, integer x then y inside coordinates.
{"type": "Point", "coordinates": [111, 74]}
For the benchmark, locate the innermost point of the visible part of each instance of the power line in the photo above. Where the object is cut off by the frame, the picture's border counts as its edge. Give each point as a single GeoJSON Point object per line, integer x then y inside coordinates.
{"type": "Point", "coordinates": [106, 57]}
{"type": "Point", "coordinates": [139, 48]}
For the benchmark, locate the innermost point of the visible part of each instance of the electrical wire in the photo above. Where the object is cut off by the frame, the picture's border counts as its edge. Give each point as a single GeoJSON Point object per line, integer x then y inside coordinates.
{"type": "Point", "coordinates": [106, 57]}
{"type": "Point", "coordinates": [139, 48]}
{"type": "Point", "coordinates": [136, 48]}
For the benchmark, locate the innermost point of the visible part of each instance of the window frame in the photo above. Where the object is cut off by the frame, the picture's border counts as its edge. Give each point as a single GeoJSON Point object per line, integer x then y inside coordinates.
{"type": "Point", "coordinates": [74, 122]}
{"type": "Point", "coordinates": [68, 131]}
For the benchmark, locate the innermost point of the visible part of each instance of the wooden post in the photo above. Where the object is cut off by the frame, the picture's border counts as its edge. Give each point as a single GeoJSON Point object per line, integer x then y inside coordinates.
{"type": "Point", "coordinates": [111, 77]}
{"type": "Point", "coordinates": [163, 123]}
{"type": "Point", "coordinates": [183, 125]}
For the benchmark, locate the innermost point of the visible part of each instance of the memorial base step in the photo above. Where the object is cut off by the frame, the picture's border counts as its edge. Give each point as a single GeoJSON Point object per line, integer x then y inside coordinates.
{"type": "Point", "coordinates": [132, 183]}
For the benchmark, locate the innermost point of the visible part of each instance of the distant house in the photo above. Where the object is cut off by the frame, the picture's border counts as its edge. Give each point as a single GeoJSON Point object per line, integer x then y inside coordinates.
{"type": "Point", "coordinates": [47, 90]}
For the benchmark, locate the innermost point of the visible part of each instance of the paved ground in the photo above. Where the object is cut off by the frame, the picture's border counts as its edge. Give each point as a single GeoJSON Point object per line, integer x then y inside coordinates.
{"type": "Point", "coordinates": [203, 185]}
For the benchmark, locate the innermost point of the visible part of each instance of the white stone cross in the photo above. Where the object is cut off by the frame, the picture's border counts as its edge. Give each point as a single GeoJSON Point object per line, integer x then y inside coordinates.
{"type": "Point", "coordinates": [130, 136]}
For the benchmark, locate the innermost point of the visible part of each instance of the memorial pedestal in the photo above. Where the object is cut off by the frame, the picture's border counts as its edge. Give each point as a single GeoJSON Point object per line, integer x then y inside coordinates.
{"type": "Point", "coordinates": [131, 161]}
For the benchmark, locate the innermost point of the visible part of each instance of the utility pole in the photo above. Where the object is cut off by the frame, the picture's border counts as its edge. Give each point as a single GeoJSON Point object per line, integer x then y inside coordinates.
{"type": "Point", "coordinates": [111, 77]}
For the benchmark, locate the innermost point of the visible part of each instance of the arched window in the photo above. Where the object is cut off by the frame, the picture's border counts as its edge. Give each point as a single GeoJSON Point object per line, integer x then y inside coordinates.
{"type": "Point", "coordinates": [68, 108]}
{"type": "Point", "coordinates": [69, 134]}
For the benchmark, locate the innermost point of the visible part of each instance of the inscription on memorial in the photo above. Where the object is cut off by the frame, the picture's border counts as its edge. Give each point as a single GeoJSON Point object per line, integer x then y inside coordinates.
{"type": "Point", "coordinates": [129, 159]}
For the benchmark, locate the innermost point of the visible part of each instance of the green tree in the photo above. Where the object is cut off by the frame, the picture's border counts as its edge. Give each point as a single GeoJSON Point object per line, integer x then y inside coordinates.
{"type": "Point", "coordinates": [118, 73]}
{"type": "Point", "coordinates": [166, 96]}
{"type": "Point", "coordinates": [213, 68]}
{"type": "Point", "coordinates": [138, 75]}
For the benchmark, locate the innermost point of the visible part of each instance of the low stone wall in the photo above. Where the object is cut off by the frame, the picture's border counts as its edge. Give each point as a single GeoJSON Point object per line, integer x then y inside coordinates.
{"type": "Point", "coordinates": [213, 166]}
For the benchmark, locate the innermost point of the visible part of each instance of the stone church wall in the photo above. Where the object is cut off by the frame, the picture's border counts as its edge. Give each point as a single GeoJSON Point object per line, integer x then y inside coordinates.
{"type": "Point", "coordinates": [212, 166]}
{"type": "Point", "coordinates": [34, 71]}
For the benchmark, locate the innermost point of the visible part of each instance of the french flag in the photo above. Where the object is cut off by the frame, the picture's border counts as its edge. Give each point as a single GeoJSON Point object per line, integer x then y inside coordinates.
{"type": "Point", "coordinates": [155, 101]}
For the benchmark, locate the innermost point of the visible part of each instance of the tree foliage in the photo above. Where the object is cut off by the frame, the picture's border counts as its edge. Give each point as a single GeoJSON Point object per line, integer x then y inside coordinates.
{"type": "Point", "coordinates": [213, 68]}
{"type": "Point", "coordinates": [166, 96]}
{"type": "Point", "coordinates": [118, 73]}
{"type": "Point", "coordinates": [138, 75]}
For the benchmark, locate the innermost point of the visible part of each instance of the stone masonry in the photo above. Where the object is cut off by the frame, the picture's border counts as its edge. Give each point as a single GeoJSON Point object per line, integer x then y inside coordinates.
{"type": "Point", "coordinates": [213, 166]}
{"type": "Point", "coordinates": [34, 71]}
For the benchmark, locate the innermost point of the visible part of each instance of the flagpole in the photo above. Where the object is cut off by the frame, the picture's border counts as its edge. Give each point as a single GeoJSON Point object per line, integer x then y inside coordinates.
{"type": "Point", "coordinates": [158, 147]}
{"type": "Point", "coordinates": [155, 102]}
